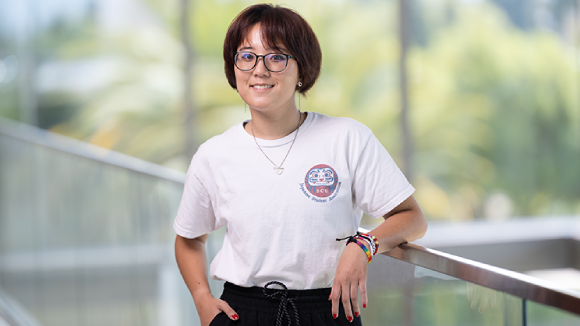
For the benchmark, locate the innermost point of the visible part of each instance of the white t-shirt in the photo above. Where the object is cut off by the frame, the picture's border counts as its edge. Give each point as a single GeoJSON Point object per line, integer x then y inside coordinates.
{"type": "Point", "coordinates": [283, 227]}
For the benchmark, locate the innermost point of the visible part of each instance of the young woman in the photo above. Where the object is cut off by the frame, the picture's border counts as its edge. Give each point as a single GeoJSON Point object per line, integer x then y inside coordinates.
{"type": "Point", "coordinates": [288, 185]}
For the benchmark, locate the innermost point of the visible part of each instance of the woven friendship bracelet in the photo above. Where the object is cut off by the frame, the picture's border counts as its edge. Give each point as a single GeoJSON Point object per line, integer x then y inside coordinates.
{"type": "Point", "coordinates": [371, 245]}
{"type": "Point", "coordinates": [357, 238]}
{"type": "Point", "coordinates": [364, 248]}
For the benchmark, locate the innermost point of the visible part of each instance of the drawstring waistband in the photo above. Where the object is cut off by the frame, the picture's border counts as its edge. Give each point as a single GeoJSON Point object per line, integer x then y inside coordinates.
{"type": "Point", "coordinates": [282, 295]}
{"type": "Point", "coordinates": [272, 305]}
{"type": "Point", "coordinates": [259, 299]}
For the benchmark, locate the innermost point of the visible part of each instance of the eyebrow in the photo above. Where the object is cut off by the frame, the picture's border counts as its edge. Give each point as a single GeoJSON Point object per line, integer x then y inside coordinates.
{"type": "Point", "coordinates": [268, 49]}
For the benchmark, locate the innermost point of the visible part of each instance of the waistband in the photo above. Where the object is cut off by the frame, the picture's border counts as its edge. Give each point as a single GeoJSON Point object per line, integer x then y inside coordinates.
{"type": "Point", "coordinates": [254, 298]}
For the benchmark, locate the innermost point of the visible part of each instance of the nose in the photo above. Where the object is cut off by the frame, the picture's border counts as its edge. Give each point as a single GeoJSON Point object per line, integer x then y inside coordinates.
{"type": "Point", "coordinates": [260, 68]}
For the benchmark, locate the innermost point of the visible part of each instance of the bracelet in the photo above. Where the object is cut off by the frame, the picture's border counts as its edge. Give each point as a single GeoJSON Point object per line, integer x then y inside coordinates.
{"type": "Point", "coordinates": [370, 246]}
{"type": "Point", "coordinates": [364, 248]}
{"type": "Point", "coordinates": [372, 240]}
{"type": "Point", "coordinates": [354, 238]}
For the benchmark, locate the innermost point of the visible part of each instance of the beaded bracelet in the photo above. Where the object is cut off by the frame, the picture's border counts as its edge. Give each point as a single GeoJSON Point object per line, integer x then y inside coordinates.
{"type": "Point", "coordinates": [372, 241]}
{"type": "Point", "coordinates": [371, 238]}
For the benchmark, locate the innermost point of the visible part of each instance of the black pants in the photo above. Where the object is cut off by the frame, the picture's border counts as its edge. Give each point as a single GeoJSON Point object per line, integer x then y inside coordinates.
{"type": "Point", "coordinates": [280, 307]}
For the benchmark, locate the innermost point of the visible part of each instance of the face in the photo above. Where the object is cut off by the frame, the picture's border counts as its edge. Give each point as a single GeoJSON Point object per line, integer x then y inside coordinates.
{"type": "Point", "coordinates": [321, 177]}
{"type": "Point", "coordinates": [260, 88]}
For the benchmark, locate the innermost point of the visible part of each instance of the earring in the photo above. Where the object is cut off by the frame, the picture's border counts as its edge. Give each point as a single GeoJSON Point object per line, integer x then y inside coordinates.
{"type": "Point", "coordinates": [299, 84]}
{"type": "Point", "coordinates": [299, 107]}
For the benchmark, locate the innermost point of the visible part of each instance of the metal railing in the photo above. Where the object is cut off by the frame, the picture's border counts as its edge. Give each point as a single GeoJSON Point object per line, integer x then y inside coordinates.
{"type": "Point", "coordinates": [533, 301]}
{"type": "Point", "coordinates": [12, 314]}
{"type": "Point", "coordinates": [520, 285]}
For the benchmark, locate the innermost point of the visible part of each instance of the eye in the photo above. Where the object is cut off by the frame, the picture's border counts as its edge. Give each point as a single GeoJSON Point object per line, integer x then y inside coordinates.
{"type": "Point", "coordinates": [246, 56]}
{"type": "Point", "coordinates": [277, 57]}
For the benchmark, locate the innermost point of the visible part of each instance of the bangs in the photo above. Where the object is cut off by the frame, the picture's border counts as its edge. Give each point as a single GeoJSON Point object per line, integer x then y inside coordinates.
{"type": "Point", "coordinates": [273, 30]}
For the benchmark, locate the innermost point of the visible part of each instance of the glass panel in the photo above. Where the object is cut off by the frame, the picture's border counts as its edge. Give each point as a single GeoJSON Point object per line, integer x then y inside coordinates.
{"type": "Point", "coordinates": [542, 315]}
{"type": "Point", "coordinates": [88, 243]}
{"type": "Point", "coordinates": [405, 294]}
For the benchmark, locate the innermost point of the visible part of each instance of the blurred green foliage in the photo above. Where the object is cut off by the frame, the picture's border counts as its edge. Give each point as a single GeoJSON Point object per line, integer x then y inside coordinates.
{"type": "Point", "coordinates": [495, 111]}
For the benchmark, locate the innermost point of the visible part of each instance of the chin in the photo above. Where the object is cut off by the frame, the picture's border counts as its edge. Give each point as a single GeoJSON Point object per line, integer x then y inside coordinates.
{"type": "Point", "coordinates": [259, 105]}
{"type": "Point", "coordinates": [260, 108]}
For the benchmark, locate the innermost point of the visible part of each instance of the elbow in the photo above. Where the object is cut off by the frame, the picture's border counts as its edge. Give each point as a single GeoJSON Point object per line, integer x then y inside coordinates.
{"type": "Point", "coordinates": [422, 223]}
{"type": "Point", "coordinates": [423, 227]}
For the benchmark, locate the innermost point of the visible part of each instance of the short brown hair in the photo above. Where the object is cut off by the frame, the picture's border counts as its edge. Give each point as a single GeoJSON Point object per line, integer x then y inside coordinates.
{"type": "Point", "coordinates": [279, 25]}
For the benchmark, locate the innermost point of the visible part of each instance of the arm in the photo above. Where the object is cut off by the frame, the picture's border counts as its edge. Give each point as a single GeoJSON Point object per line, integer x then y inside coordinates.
{"type": "Point", "coordinates": [404, 223]}
{"type": "Point", "coordinates": [192, 260]}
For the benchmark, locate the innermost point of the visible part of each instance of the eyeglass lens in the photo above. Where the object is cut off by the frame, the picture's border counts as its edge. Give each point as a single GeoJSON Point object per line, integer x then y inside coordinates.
{"type": "Point", "coordinates": [274, 62]}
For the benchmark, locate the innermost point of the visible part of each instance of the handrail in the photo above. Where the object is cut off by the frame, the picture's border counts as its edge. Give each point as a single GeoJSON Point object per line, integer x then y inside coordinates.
{"type": "Point", "coordinates": [72, 146]}
{"type": "Point", "coordinates": [12, 314]}
{"type": "Point", "coordinates": [496, 278]}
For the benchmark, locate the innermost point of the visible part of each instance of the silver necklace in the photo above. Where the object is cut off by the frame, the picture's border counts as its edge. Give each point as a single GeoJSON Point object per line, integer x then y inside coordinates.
{"type": "Point", "coordinates": [278, 168]}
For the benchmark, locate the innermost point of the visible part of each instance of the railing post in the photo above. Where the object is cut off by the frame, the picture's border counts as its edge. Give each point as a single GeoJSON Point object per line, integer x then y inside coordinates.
{"type": "Point", "coordinates": [524, 312]}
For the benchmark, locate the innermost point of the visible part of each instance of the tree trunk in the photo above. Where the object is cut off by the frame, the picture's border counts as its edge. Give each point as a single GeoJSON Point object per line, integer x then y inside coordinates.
{"type": "Point", "coordinates": [188, 113]}
{"type": "Point", "coordinates": [403, 87]}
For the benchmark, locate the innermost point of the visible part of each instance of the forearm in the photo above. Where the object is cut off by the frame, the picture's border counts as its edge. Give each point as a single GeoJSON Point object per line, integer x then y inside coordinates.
{"type": "Point", "coordinates": [405, 223]}
{"type": "Point", "coordinates": [192, 261]}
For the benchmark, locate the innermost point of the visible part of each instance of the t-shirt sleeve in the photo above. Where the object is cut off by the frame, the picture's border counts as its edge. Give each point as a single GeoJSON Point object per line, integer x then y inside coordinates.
{"type": "Point", "coordinates": [378, 183]}
{"type": "Point", "coordinates": [195, 215]}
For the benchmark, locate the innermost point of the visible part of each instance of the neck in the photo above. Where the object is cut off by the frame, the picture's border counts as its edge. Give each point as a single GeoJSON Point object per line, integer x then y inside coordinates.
{"type": "Point", "coordinates": [274, 126]}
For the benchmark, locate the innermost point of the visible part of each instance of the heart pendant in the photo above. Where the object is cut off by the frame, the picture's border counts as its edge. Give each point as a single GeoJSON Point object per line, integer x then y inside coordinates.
{"type": "Point", "coordinates": [279, 170]}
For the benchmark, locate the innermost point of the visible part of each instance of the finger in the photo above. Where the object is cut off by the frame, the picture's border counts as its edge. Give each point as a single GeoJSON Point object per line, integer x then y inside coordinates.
{"type": "Point", "coordinates": [494, 300]}
{"type": "Point", "coordinates": [225, 307]}
{"type": "Point", "coordinates": [470, 290]}
{"type": "Point", "coordinates": [363, 293]}
{"type": "Point", "coordinates": [346, 302]}
{"type": "Point", "coordinates": [354, 299]}
{"type": "Point", "coordinates": [483, 302]}
{"type": "Point", "coordinates": [334, 296]}
{"type": "Point", "coordinates": [475, 299]}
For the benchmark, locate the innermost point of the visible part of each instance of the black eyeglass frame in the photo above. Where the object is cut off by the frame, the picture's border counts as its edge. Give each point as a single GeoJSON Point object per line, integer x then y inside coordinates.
{"type": "Point", "coordinates": [288, 56]}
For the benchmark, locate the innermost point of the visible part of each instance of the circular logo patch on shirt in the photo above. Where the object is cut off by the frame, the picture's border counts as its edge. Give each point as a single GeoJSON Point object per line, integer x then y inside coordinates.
{"type": "Point", "coordinates": [321, 181]}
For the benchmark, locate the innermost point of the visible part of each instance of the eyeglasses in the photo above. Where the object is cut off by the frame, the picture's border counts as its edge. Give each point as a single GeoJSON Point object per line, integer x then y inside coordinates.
{"type": "Point", "coordinates": [274, 62]}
